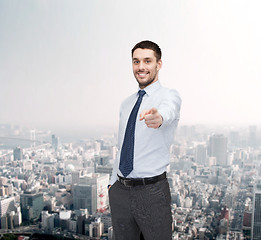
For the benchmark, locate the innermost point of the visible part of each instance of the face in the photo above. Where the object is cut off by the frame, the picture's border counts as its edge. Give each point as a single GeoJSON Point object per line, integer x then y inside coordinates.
{"type": "Point", "coordinates": [145, 67]}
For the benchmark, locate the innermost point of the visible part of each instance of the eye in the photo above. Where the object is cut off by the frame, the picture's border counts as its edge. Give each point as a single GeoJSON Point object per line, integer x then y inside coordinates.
{"type": "Point", "coordinates": [135, 62]}
{"type": "Point", "coordinates": [148, 61]}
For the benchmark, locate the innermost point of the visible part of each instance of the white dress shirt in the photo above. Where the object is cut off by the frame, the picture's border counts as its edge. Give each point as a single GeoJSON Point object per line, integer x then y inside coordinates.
{"type": "Point", "coordinates": [151, 146]}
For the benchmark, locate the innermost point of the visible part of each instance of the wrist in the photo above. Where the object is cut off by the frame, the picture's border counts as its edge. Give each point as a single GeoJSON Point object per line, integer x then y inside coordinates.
{"type": "Point", "coordinates": [161, 121]}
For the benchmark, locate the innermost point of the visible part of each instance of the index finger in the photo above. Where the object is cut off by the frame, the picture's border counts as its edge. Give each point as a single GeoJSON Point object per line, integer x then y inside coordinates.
{"type": "Point", "coordinates": [143, 113]}
{"type": "Point", "coordinates": [153, 110]}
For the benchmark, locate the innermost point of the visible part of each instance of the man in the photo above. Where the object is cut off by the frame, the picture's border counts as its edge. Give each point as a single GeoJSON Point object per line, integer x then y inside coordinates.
{"type": "Point", "coordinates": [139, 192]}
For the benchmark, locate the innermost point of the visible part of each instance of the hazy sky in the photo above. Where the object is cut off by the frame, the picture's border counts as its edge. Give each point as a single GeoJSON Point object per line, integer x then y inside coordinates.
{"type": "Point", "coordinates": [68, 64]}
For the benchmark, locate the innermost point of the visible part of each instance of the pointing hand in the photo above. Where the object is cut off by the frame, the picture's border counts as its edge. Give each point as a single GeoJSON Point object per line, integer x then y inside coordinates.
{"type": "Point", "coordinates": [152, 118]}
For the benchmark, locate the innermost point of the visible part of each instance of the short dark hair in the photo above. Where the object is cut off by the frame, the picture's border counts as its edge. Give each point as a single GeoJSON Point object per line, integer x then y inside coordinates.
{"type": "Point", "coordinates": [148, 45]}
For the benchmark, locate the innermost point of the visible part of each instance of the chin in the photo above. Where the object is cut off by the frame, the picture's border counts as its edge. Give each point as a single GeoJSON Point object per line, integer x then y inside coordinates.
{"type": "Point", "coordinates": [143, 85]}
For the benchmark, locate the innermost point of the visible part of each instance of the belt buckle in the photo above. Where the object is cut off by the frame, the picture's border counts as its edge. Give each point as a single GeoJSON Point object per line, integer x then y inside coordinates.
{"type": "Point", "coordinates": [125, 182]}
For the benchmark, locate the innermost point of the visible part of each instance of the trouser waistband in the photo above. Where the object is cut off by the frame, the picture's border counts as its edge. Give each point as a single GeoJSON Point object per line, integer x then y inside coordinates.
{"type": "Point", "coordinates": [132, 182]}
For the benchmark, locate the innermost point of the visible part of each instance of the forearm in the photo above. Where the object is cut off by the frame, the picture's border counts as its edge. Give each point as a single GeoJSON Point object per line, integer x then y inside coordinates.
{"type": "Point", "coordinates": [170, 109]}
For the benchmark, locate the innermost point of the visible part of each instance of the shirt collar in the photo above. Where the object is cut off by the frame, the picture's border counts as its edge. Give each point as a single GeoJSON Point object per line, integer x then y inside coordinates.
{"type": "Point", "coordinates": [152, 87]}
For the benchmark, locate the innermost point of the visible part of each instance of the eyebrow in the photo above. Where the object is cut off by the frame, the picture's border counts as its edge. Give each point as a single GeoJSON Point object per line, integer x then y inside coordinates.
{"type": "Point", "coordinates": [146, 58]}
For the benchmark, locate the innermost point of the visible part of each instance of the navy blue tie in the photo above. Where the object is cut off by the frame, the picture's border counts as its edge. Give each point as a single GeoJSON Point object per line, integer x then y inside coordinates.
{"type": "Point", "coordinates": [127, 150]}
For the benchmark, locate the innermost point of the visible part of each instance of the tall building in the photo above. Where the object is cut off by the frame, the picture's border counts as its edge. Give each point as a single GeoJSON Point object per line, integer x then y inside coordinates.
{"type": "Point", "coordinates": [201, 154]}
{"type": "Point", "coordinates": [55, 142]}
{"type": "Point", "coordinates": [75, 177]}
{"type": "Point", "coordinates": [97, 146]}
{"type": "Point", "coordinates": [84, 197]}
{"type": "Point", "coordinates": [18, 153]}
{"type": "Point", "coordinates": [106, 219]}
{"type": "Point", "coordinates": [113, 152]}
{"type": "Point", "coordinates": [7, 205]}
{"type": "Point", "coordinates": [96, 228]}
{"type": "Point", "coordinates": [91, 193]}
{"type": "Point", "coordinates": [252, 136]}
{"type": "Point", "coordinates": [64, 217]}
{"type": "Point", "coordinates": [80, 228]}
{"type": "Point", "coordinates": [48, 221]}
{"type": "Point", "coordinates": [32, 137]}
{"type": "Point", "coordinates": [246, 226]}
{"type": "Point", "coordinates": [31, 205]}
{"type": "Point", "coordinates": [218, 149]}
{"type": "Point", "coordinates": [234, 139]}
{"type": "Point", "coordinates": [103, 159]}
{"type": "Point", "coordinates": [256, 215]}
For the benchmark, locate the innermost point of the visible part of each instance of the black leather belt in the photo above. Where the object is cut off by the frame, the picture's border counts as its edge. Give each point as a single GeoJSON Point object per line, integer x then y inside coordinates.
{"type": "Point", "coordinates": [132, 182]}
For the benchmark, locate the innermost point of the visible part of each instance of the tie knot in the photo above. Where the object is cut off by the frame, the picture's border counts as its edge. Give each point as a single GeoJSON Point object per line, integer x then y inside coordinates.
{"type": "Point", "coordinates": [141, 93]}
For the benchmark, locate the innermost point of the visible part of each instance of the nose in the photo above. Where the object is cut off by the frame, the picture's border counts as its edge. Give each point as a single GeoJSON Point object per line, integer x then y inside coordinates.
{"type": "Point", "coordinates": [141, 66]}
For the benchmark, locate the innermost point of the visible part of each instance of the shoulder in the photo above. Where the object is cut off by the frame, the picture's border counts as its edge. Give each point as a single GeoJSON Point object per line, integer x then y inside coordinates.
{"type": "Point", "coordinates": [171, 94]}
{"type": "Point", "coordinates": [128, 100]}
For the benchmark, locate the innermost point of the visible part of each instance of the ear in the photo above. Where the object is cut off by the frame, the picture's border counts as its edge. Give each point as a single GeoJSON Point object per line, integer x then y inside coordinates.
{"type": "Point", "coordinates": [159, 64]}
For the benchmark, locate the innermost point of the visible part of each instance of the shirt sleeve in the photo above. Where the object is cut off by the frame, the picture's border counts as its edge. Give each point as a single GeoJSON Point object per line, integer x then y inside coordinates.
{"type": "Point", "coordinates": [114, 171]}
{"type": "Point", "coordinates": [169, 108]}
{"type": "Point", "coordinates": [116, 162]}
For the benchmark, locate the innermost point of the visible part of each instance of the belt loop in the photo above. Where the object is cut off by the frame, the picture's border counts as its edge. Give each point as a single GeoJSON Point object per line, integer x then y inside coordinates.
{"type": "Point", "coordinates": [143, 181]}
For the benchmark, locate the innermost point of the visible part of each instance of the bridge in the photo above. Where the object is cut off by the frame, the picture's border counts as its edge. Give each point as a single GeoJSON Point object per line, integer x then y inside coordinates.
{"type": "Point", "coordinates": [20, 139]}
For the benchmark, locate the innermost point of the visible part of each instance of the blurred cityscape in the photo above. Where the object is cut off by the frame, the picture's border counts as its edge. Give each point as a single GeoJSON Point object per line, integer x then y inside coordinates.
{"type": "Point", "coordinates": [49, 187]}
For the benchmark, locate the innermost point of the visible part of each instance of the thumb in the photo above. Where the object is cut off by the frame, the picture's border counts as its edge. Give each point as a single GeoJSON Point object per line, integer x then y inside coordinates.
{"type": "Point", "coordinates": [153, 110]}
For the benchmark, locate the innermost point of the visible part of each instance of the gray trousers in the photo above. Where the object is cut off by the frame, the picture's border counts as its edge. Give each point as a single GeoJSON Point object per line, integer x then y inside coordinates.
{"type": "Point", "coordinates": [141, 209]}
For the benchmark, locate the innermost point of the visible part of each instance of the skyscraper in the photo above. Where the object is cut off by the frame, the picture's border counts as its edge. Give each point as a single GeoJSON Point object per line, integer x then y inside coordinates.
{"type": "Point", "coordinates": [84, 197]}
{"type": "Point", "coordinates": [201, 154]}
{"type": "Point", "coordinates": [31, 205]}
{"type": "Point", "coordinates": [91, 193]}
{"type": "Point", "coordinates": [256, 215]}
{"type": "Point", "coordinates": [7, 205]}
{"type": "Point", "coordinates": [234, 139]}
{"type": "Point", "coordinates": [218, 149]}
{"type": "Point", "coordinates": [96, 228]}
{"type": "Point", "coordinates": [55, 142]}
{"type": "Point", "coordinates": [18, 153]}
{"type": "Point", "coordinates": [252, 137]}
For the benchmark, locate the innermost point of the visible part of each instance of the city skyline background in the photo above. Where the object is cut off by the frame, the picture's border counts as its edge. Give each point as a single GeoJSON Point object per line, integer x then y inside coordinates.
{"type": "Point", "coordinates": [67, 65]}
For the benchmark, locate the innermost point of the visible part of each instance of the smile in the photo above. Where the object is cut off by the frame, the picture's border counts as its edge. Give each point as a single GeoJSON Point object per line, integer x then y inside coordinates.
{"type": "Point", "coordinates": [142, 74]}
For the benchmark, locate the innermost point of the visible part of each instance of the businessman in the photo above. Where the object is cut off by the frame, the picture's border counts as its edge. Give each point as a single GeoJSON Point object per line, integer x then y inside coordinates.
{"type": "Point", "coordinates": [139, 192]}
